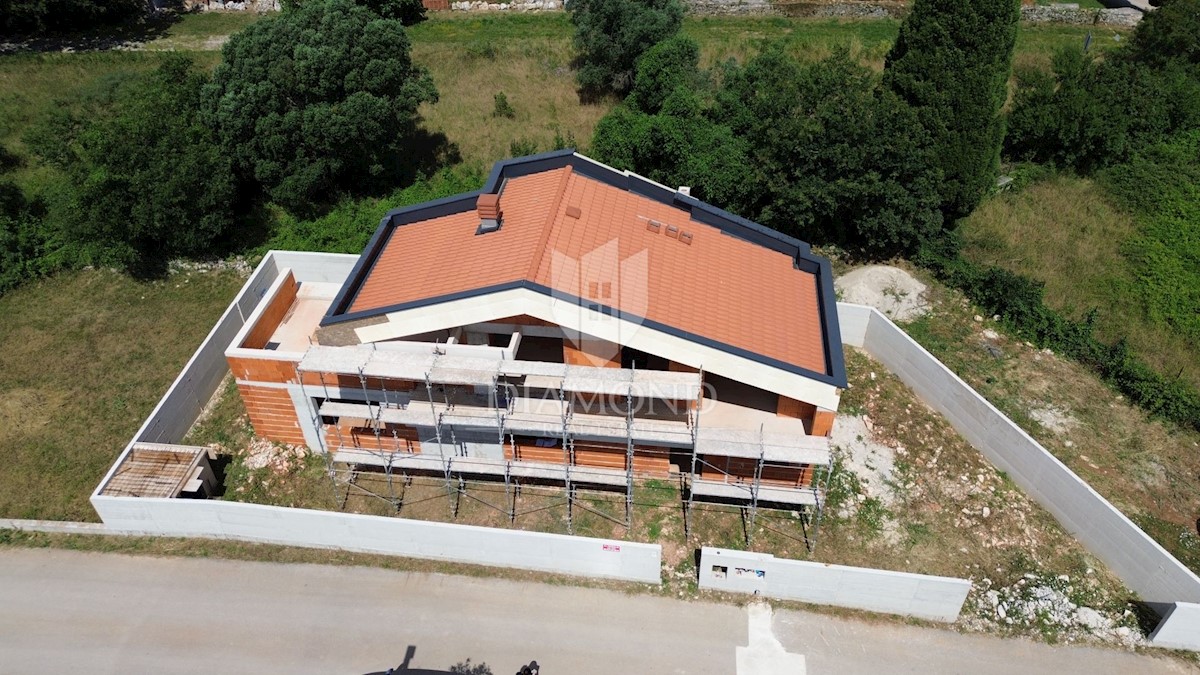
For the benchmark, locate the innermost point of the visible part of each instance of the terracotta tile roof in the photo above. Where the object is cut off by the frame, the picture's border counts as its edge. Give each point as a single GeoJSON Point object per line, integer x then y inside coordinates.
{"type": "Point", "coordinates": [610, 245]}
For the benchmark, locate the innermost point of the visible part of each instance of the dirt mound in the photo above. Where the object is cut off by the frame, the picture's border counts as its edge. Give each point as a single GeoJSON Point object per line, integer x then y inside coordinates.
{"type": "Point", "coordinates": [891, 290]}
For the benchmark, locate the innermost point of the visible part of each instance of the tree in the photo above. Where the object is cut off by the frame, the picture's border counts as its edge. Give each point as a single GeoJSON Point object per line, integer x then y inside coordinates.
{"type": "Point", "coordinates": [1168, 34]}
{"type": "Point", "coordinates": [146, 178]}
{"type": "Point", "coordinates": [835, 161]}
{"type": "Point", "coordinates": [951, 63]}
{"type": "Point", "coordinates": [318, 100]}
{"type": "Point", "coordinates": [663, 131]}
{"type": "Point", "coordinates": [672, 63]}
{"type": "Point", "coordinates": [407, 12]}
{"type": "Point", "coordinates": [678, 146]}
{"type": "Point", "coordinates": [37, 16]}
{"type": "Point", "coordinates": [610, 35]}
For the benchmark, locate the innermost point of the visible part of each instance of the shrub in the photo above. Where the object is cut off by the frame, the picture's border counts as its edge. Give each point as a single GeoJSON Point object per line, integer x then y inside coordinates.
{"type": "Point", "coordinates": [672, 63]}
{"type": "Point", "coordinates": [610, 35]}
{"type": "Point", "coordinates": [145, 179]}
{"type": "Point", "coordinates": [1018, 300]}
{"type": "Point", "coordinates": [502, 108]}
{"type": "Point", "coordinates": [21, 238]}
{"type": "Point", "coordinates": [951, 62]}
{"type": "Point", "coordinates": [318, 101]}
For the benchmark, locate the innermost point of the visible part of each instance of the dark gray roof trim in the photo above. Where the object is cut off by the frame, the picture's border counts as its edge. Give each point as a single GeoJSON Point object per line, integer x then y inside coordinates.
{"type": "Point", "coordinates": [726, 222]}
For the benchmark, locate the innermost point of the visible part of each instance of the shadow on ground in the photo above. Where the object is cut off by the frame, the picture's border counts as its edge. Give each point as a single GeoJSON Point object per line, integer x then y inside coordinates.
{"type": "Point", "coordinates": [460, 668]}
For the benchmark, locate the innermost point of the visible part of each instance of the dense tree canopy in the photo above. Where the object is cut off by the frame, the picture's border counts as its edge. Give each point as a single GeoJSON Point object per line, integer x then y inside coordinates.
{"type": "Point", "coordinates": [319, 100]}
{"type": "Point", "coordinates": [813, 150]}
{"type": "Point", "coordinates": [836, 160]}
{"type": "Point", "coordinates": [610, 35]}
{"type": "Point", "coordinates": [147, 179]}
{"type": "Point", "coordinates": [951, 63]}
{"type": "Point", "coordinates": [1092, 113]}
{"type": "Point", "coordinates": [31, 16]}
{"type": "Point", "coordinates": [407, 12]}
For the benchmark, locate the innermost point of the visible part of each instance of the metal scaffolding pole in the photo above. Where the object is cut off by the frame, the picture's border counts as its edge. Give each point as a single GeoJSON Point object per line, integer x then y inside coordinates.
{"type": "Point", "coordinates": [629, 458]}
{"type": "Point", "coordinates": [569, 457]}
{"type": "Point", "coordinates": [820, 506]}
{"type": "Point", "coordinates": [319, 425]}
{"type": "Point", "coordinates": [758, 467]}
{"type": "Point", "coordinates": [437, 430]}
{"type": "Point", "coordinates": [695, 437]}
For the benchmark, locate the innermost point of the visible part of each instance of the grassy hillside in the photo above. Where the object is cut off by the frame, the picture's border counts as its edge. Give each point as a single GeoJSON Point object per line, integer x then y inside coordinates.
{"type": "Point", "coordinates": [1065, 232]}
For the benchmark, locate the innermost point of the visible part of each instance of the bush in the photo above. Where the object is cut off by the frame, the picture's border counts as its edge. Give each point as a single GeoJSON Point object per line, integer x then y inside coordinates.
{"type": "Point", "coordinates": [1092, 114]}
{"type": "Point", "coordinates": [319, 101]}
{"type": "Point", "coordinates": [668, 65]}
{"type": "Point", "coordinates": [502, 108]}
{"type": "Point", "coordinates": [21, 238]}
{"type": "Point", "coordinates": [1018, 301]}
{"type": "Point", "coordinates": [348, 227]}
{"type": "Point", "coordinates": [40, 16]}
{"type": "Point", "coordinates": [951, 62]}
{"type": "Point", "coordinates": [1161, 186]}
{"type": "Point", "coordinates": [145, 179]}
{"type": "Point", "coordinates": [610, 35]}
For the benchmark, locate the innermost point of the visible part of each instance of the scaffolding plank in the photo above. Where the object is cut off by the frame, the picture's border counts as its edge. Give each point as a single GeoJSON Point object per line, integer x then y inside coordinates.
{"type": "Point", "coordinates": [774, 447]}
{"type": "Point", "coordinates": [482, 466]}
{"type": "Point", "coordinates": [778, 495]}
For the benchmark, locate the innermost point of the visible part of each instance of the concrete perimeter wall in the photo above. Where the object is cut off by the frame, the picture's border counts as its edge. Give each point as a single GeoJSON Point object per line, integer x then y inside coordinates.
{"type": "Point", "coordinates": [178, 409]}
{"type": "Point", "coordinates": [917, 595]}
{"type": "Point", "coordinates": [181, 405]}
{"type": "Point", "coordinates": [1140, 562]}
{"type": "Point", "coordinates": [557, 553]}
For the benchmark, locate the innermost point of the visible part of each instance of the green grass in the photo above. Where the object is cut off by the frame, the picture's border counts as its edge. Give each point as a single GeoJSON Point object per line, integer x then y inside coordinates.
{"type": "Point", "coordinates": [1064, 232]}
{"type": "Point", "coordinates": [84, 357]}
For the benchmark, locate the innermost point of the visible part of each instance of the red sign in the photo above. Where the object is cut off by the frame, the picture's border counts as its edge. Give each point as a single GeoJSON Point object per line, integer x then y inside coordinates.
{"type": "Point", "coordinates": [615, 548]}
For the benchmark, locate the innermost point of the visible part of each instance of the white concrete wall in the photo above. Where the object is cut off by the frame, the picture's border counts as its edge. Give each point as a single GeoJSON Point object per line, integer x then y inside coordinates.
{"type": "Point", "coordinates": [917, 595]}
{"type": "Point", "coordinates": [1180, 627]}
{"type": "Point", "coordinates": [1141, 563]}
{"type": "Point", "coordinates": [178, 409]}
{"type": "Point", "coordinates": [560, 554]}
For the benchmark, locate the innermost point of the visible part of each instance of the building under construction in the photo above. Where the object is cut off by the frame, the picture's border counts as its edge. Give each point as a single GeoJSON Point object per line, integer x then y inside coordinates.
{"type": "Point", "coordinates": [568, 325]}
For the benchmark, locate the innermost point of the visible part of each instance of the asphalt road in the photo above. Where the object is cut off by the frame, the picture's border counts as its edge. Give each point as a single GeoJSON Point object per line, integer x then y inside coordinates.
{"type": "Point", "coordinates": [65, 611]}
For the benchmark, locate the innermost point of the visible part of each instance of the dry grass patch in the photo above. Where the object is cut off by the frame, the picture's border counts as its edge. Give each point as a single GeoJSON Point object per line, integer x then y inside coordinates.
{"type": "Point", "coordinates": [84, 357]}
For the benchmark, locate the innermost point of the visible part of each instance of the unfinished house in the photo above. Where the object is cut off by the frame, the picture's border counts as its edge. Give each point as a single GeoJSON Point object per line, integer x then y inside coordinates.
{"type": "Point", "coordinates": [569, 325]}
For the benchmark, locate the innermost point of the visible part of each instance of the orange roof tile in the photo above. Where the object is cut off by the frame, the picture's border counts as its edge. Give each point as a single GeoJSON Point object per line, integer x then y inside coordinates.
{"type": "Point", "coordinates": [582, 236]}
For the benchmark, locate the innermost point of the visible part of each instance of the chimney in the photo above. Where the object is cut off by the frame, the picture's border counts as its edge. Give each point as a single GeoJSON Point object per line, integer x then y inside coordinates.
{"type": "Point", "coordinates": [488, 206]}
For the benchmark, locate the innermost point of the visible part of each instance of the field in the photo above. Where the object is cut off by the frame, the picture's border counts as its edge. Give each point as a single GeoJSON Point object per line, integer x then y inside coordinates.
{"type": "Point", "coordinates": [85, 355]}
{"type": "Point", "coordinates": [83, 359]}
{"type": "Point", "coordinates": [1064, 233]}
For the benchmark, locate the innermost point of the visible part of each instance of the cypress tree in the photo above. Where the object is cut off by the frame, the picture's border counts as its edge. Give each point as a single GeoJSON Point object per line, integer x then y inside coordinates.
{"type": "Point", "coordinates": [951, 63]}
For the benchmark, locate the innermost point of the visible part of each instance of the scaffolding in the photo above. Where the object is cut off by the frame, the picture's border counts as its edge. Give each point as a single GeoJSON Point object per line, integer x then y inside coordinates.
{"type": "Point", "coordinates": [471, 395]}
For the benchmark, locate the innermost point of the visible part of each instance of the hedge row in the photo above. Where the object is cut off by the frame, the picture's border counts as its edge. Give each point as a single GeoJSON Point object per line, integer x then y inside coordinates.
{"type": "Point", "coordinates": [1019, 301]}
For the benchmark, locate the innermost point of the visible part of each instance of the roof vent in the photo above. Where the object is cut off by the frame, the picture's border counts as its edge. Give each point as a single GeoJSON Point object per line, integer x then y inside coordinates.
{"type": "Point", "coordinates": [686, 237]}
{"type": "Point", "coordinates": [685, 190]}
{"type": "Point", "coordinates": [653, 226]}
{"type": "Point", "coordinates": [574, 212]}
{"type": "Point", "coordinates": [673, 231]}
{"type": "Point", "coordinates": [488, 206]}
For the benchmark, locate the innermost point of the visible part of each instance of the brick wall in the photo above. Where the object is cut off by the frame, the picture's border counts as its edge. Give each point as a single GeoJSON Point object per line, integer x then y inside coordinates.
{"type": "Point", "coordinates": [273, 315]}
{"type": "Point", "coordinates": [272, 413]}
